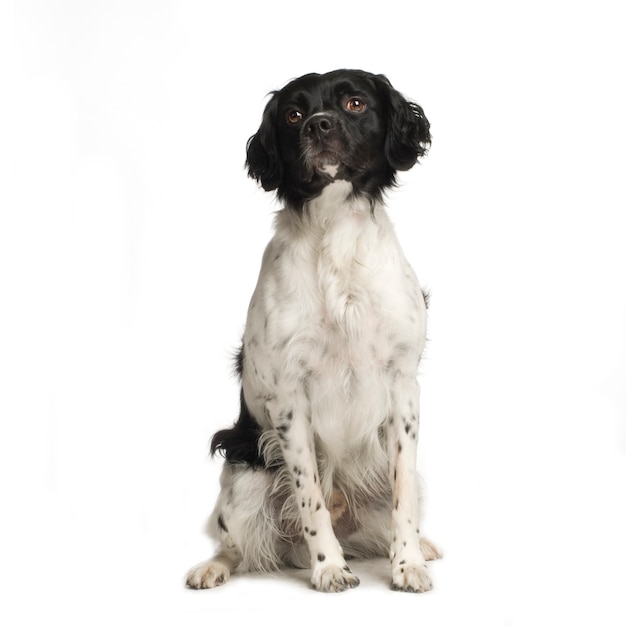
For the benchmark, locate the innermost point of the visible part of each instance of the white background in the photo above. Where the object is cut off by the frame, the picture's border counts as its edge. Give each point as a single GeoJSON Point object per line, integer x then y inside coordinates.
{"type": "Point", "coordinates": [130, 242]}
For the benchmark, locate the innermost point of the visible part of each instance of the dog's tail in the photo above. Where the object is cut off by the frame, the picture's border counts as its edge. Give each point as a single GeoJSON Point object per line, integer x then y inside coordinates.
{"type": "Point", "coordinates": [240, 444]}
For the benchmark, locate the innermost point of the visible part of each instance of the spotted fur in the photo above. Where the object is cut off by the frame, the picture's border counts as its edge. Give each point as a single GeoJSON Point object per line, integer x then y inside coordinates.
{"type": "Point", "coordinates": [320, 466]}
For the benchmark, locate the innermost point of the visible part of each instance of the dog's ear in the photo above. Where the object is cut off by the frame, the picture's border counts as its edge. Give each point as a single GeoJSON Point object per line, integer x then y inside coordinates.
{"type": "Point", "coordinates": [408, 130]}
{"type": "Point", "coordinates": [263, 157]}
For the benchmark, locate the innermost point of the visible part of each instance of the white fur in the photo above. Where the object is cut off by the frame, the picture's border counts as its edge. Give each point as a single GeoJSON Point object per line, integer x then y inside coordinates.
{"type": "Point", "coordinates": [334, 335]}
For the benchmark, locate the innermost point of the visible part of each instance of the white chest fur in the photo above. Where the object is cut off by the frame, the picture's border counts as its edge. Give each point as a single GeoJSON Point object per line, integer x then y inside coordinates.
{"type": "Point", "coordinates": [336, 315]}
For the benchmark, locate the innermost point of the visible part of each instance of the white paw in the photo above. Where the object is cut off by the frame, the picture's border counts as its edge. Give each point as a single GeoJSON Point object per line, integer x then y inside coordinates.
{"type": "Point", "coordinates": [208, 575]}
{"type": "Point", "coordinates": [411, 577]}
{"type": "Point", "coordinates": [333, 578]}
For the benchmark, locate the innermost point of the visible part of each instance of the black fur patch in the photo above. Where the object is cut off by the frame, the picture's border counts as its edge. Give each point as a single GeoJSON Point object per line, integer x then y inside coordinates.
{"type": "Point", "coordinates": [240, 444]}
{"type": "Point", "coordinates": [220, 523]}
{"type": "Point", "coordinates": [390, 134]}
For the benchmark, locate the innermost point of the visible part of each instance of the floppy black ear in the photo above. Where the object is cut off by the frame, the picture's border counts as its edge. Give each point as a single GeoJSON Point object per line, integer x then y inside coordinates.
{"type": "Point", "coordinates": [408, 130]}
{"type": "Point", "coordinates": [263, 158]}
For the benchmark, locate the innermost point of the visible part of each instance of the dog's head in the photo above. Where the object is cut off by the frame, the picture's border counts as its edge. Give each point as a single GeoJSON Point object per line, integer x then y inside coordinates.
{"type": "Point", "coordinates": [347, 124]}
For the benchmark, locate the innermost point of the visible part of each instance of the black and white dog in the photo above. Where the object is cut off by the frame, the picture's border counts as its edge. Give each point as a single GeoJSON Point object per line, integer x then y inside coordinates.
{"type": "Point", "coordinates": [321, 464]}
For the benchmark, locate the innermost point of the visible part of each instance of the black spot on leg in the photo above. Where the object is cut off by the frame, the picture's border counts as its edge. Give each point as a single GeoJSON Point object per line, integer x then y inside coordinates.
{"type": "Point", "coordinates": [318, 506]}
{"type": "Point", "coordinates": [402, 348]}
{"type": "Point", "coordinates": [313, 533]}
{"type": "Point", "coordinates": [285, 416]}
{"type": "Point", "coordinates": [220, 523]}
{"type": "Point", "coordinates": [321, 557]}
{"type": "Point", "coordinates": [399, 448]}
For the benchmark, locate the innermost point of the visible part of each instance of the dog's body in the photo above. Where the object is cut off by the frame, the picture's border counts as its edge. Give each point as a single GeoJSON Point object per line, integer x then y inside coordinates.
{"type": "Point", "coordinates": [321, 463]}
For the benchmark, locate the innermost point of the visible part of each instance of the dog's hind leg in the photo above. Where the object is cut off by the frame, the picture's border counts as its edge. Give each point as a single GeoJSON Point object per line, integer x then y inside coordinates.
{"type": "Point", "coordinates": [245, 525]}
{"type": "Point", "coordinates": [215, 571]}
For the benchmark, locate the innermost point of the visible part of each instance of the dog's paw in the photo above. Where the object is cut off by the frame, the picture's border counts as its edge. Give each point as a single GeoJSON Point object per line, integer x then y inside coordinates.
{"type": "Point", "coordinates": [411, 577]}
{"type": "Point", "coordinates": [430, 551]}
{"type": "Point", "coordinates": [333, 578]}
{"type": "Point", "coordinates": [208, 575]}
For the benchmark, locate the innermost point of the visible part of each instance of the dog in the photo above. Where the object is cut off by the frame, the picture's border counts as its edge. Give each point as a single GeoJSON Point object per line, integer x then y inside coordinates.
{"type": "Point", "coordinates": [320, 466]}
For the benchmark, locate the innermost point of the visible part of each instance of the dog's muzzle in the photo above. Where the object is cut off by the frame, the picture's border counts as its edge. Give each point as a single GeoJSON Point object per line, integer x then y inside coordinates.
{"type": "Point", "coordinates": [323, 141]}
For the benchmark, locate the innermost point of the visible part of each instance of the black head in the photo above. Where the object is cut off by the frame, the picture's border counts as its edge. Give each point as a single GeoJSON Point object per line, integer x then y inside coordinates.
{"type": "Point", "coordinates": [347, 124]}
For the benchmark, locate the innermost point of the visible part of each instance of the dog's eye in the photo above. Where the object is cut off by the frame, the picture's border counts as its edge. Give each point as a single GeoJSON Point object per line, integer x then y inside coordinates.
{"type": "Point", "coordinates": [356, 105]}
{"type": "Point", "coordinates": [294, 117]}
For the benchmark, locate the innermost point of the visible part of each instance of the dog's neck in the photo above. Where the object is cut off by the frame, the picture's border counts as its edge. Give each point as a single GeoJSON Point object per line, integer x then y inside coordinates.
{"type": "Point", "coordinates": [336, 228]}
{"type": "Point", "coordinates": [334, 205]}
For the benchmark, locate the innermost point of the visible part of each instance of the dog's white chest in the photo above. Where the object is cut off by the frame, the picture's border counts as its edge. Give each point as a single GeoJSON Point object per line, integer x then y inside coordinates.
{"type": "Point", "coordinates": [371, 329]}
{"type": "Point", "coordinates": [339, 311]}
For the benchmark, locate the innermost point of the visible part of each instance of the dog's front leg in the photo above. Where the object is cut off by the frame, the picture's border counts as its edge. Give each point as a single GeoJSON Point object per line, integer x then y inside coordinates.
{"type": "Point", "coordinates": [408, 566]}
{"type": "Point", "coordinates": [329, 569]}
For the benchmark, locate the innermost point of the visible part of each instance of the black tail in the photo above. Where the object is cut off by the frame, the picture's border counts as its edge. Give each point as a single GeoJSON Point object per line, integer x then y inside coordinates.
{"type": "Point", "coordinates": [240, 444]}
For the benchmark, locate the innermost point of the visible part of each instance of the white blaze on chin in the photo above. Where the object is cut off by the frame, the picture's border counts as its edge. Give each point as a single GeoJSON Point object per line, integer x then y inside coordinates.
{"type": "Point", "coordinates": [330, 168]}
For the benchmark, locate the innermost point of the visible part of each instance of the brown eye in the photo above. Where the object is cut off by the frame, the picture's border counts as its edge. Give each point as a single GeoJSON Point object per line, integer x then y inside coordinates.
{"type": "Point", "coordinates": [294, 117]}
{"type": "Point", "coordinates": [356, 105]}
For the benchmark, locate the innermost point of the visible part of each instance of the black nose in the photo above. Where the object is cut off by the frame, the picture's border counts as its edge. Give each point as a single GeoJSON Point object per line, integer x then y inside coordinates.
{"type": "Point", "coordinates": [318, 126]}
